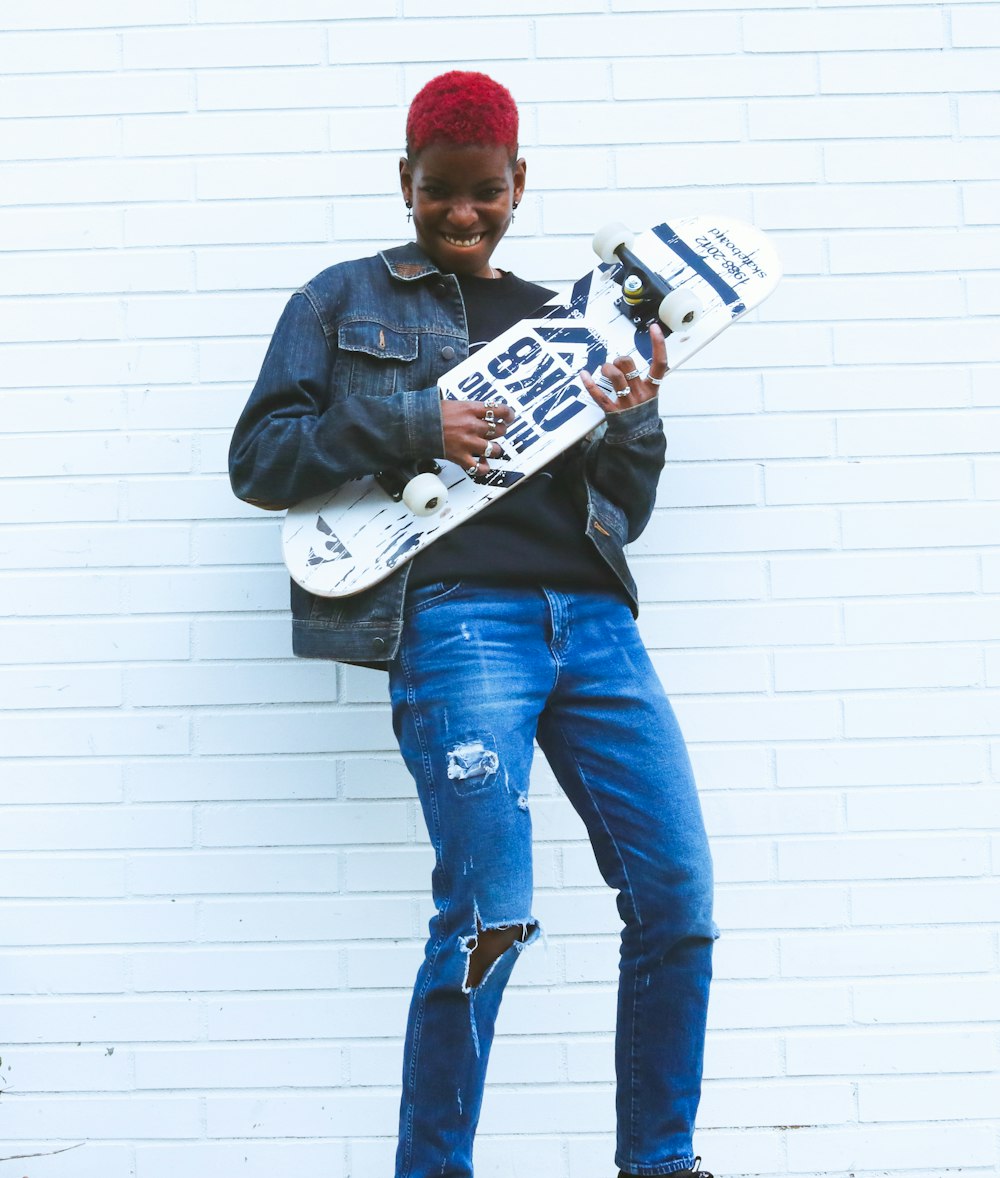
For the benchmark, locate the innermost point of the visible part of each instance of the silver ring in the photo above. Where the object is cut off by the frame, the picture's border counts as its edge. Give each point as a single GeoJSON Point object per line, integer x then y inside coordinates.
{"type": "Point", "coordinates": [633, 375]}
{"type": "Point", "coordinates": [656, 380]}
{"type": "Point", "coordinates": [488, 449]}
{"type": "Point", "coordinates": [471, 470]}
{"type": "Point", "coordinates": [622, 392]}
{"type": "Point", "coordinates": [488, 417]}
{"type": "Point", "coordinates": [490, 432]}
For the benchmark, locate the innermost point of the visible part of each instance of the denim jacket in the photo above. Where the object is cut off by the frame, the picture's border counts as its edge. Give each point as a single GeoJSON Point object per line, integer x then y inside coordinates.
{"type": "Point", "coordinates": [348, 387]}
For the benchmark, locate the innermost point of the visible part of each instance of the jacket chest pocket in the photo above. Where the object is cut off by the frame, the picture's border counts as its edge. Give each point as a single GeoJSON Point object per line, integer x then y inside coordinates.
{"type": "Point", "coordinates": [372, 357]}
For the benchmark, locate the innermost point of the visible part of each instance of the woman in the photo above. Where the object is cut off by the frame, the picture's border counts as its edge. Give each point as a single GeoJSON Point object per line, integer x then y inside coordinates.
{"type": "Point", "coordinates": [518, 625]}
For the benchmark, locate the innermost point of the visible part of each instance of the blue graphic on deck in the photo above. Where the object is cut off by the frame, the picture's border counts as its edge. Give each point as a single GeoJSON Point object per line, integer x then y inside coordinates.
{"type": "Point", "coordinates": [335, 547]}
{"type": "Point", "coordinates": [499, 478]}
{"type": "Point", "coordinates": [701, 268]}
{"type": "Point", "coordinates": [643, 344]}
{"type": "Point", "coordinates": [581, 292]}
{"type": "Point", "coordinates": [408, 545]}
{"type": "Point", "coordinates": [578, 345]}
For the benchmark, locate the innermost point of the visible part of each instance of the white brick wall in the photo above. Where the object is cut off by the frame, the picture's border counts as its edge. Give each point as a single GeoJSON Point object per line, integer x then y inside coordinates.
{"type": "Point", "coordinates": [213, 868]}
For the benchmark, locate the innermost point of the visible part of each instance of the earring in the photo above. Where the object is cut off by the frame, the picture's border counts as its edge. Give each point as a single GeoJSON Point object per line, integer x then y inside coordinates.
{"type": "Point", "coordinates": [513, 211]}
{"type": "Point", "coordinates": [409, 214]}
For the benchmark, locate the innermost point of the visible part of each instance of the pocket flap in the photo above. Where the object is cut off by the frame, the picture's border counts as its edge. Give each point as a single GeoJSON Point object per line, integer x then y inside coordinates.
{"type": "Point", "coordinates": [375, 339]}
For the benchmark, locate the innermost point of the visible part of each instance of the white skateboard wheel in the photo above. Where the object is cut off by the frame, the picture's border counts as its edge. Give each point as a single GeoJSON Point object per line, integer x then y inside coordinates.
{"type": "Point", "coordinates": [425, 494]}
{"type": "Point", "coordinates": [609, 237]}
{"type": "Point", "coordinates": [679, 310]}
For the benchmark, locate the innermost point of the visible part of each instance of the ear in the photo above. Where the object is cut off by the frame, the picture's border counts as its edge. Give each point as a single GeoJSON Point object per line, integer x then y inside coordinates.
{"type": "Point", "coordinates": [405, 178]}
{"type": "Point", "coordinates": [520, 173]}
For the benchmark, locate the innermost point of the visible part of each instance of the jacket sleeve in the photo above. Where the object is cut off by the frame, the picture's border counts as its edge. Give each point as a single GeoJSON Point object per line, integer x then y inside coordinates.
{"type": "Point", "coordinates": [624, 462]}
{"type": "Point", "coordinates": [295, 438]}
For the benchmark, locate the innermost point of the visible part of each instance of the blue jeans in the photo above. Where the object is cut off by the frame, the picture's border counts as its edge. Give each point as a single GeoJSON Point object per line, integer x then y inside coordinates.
{"type": "Point", "coordinates": [480, 674]}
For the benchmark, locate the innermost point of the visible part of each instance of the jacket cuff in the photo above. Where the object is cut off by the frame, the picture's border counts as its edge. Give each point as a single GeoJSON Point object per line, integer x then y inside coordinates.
{"type": "Point", "coordinates": [629, 424]}
{"type": "Point", "coordinates": [424, 424]}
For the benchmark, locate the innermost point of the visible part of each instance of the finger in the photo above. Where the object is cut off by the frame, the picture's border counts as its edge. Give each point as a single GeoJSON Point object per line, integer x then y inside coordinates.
{"type": "Point", "coordinates": [658, 368]}
{"type": "Point", "coordinates": [494, 452]}
{"type": "Point", "coordinates": [627, 366]}
{"type": "Point", "coordinates": [622, 387]}
{"type": "Point", "coordinates": [608, 404]}
{"type": "Point", "coordinates": [502, 410]}
{"type": "Point", "coordinates": [493, 420]}
{"type": "Point", "coordinates": [614, 375]}
{"type": "Point", "coordinates": [631, 371]}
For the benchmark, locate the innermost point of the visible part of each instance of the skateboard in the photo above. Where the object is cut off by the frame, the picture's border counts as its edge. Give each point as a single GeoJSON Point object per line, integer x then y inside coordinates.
{"type": "Point", "coordinates": [696, 277]}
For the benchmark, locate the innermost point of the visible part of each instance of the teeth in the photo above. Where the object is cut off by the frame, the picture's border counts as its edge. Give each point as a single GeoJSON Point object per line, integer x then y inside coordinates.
{"type": "Point", "coordinates": [463, 241]}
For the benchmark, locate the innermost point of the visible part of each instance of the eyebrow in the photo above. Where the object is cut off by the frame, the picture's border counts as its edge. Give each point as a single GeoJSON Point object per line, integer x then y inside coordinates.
{"type": "Point", "coordinates": [429, 176]}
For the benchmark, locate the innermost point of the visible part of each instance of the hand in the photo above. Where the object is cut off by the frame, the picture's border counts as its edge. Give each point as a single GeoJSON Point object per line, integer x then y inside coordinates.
{"type": "Point", "coordinates": [634, 391]}
{"type": "Point", "coordinates": [470, 434]}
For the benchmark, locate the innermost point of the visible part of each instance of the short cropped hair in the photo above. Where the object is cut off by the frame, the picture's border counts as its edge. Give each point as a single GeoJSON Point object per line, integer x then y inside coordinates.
{"type": "Point", "coordinates": [463, 108]}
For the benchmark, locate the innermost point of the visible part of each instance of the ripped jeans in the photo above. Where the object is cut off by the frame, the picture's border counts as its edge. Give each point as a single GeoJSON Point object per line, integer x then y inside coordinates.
{"type": "Point", "coordinates": [481, 673]}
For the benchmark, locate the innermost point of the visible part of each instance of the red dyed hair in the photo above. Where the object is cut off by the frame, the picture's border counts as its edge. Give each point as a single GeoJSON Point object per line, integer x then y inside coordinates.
{"type": "Point", "coordinates": [464, 108]}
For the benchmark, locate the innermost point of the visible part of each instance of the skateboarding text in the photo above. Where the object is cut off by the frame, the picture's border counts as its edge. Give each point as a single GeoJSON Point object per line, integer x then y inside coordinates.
{"type": "Point", "coordinates": [737, 263]}
{"type": "Point", "coordinates": [533, 380]}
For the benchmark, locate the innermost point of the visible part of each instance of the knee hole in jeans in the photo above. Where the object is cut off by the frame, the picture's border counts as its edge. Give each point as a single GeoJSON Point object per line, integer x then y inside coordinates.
{"type": "Point", "coordinates": [487, 945]}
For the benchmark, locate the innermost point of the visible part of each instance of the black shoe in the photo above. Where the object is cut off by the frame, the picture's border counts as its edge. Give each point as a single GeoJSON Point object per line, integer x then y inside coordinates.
{"type": "Point", "coordinates": [695, 1173]}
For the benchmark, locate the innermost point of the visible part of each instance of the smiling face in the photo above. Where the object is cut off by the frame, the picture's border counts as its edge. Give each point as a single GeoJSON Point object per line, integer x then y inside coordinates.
{"type": "Point", "coordinates": [462, 199]}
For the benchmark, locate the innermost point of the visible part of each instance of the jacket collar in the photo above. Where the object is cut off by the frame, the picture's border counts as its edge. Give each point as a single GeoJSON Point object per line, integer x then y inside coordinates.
{"type": "Point", "coordinates": [408, 262]}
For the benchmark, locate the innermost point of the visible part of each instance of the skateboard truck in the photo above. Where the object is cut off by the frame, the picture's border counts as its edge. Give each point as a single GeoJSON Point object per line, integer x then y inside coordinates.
{"type": "Point", "coordinates": [418, 485]}
{"type": "Point", "coordinates": [646, 298]}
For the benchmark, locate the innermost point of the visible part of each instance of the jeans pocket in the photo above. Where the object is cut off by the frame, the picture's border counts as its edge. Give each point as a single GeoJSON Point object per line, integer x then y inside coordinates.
{"type": "Point", "coordinates": [426, 596]}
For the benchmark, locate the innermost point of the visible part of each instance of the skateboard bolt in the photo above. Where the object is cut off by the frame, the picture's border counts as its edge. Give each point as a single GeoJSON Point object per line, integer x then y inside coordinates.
{"type": "Point", "coordinates": [633, 290]}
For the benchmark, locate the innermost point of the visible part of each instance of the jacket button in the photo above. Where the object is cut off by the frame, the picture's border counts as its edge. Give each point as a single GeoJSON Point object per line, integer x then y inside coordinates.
{"type": "Point", "coordinates": [378, 643]}
{"type": "Point", "coordinates": [447, 352]}
{"type": "Point", "coordinates": [440, 288]}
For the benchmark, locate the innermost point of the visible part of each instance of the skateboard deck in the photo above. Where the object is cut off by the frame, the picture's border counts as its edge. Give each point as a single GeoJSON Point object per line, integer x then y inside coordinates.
{"type": "Point", "coordinates": [350, 538]}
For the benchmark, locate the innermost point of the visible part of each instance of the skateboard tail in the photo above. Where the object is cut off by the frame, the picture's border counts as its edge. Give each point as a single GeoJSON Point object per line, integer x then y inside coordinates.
{"type": "Point", "coordinates": [740, 264]}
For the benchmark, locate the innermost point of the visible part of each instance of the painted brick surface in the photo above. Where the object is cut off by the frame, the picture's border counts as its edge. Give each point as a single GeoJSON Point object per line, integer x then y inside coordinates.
{"type": "Point", "coordinates": [214, 872]}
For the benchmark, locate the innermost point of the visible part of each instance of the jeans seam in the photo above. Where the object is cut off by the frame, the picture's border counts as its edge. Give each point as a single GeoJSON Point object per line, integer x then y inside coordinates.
{"type": "Point", "coordinates": [418, 1021]}
{"type": "Point", "coordinates": [565, 618]}
{"type": "Point", "coordinates": [633, 1085]}
{"type": "Point", "coordinates": [680, 1166]}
